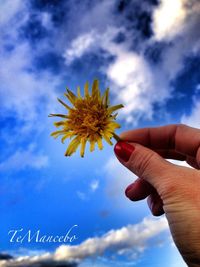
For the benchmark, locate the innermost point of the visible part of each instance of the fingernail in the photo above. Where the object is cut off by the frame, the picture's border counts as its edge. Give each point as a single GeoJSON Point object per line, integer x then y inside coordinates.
{"type": "Point", "coordinates": [123, 150]}
{"type": "Point", "coordinates": [128, 189]}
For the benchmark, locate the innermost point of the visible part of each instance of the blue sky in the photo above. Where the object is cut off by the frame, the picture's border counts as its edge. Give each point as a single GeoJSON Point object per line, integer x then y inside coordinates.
{"type": "Point", "coordinates": [148, 54]}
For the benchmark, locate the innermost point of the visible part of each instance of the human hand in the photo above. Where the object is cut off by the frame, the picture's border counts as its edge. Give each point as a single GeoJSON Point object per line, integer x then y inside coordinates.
{"type": "Point", "coordinates": [171, 189]}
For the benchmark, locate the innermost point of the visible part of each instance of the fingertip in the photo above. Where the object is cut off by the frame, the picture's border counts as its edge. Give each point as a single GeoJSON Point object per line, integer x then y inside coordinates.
{"type": "Point", "coordinates": [139, 190]}
{"type": "Point", "coordinates": [155, 205]}
{"type": "Point", "coordinates": [157, 211]}
{"type": "Point", "coordinates": [123, 150]}
{"type": "Point", "coordinates": [128, 189]}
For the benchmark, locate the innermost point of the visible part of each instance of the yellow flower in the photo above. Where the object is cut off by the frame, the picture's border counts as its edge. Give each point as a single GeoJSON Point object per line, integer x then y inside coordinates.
{"type": "Point", "coordinates": [90, 119]}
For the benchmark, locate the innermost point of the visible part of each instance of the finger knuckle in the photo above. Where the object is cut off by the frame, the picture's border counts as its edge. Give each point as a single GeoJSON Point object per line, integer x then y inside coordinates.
{"type": "Point", "coordinates": [143, 162]}
{"type": "Point", "coordinates": [185, 186]}
{"type": "Point", "coordinates": [181, 126]}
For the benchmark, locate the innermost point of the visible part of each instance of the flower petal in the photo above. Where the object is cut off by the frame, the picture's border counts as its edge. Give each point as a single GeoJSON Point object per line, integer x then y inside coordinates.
{"type": "Point", "coordinates": [79, 92]}
{"type": "Point", "coordinates": [99, 142]}
{"type": "Point", "coordinates": [92, 145]}
{"type": "Point", "coordinates": [65, 105]}
{"type": "Point", "coordinates": [57, 133]}
{"type": "Point", "coordinates": [113, 125]}
{"type": "Point", "coordinates": [72, 146]}
{"type": "Point", "coordinates": [86, 90]}
{"type": "Point", "coordinates": [113, 108]}
{"type": "Point", "coordinates": [105, 98]}
{"type": "Point", "coordinates": [95, 89]}
{"type": "Point", "coordinates": [71, 96]}
{"type": "Point", "coordinates": [114, 116]}
{"type": "Point", "coordinates": [83, 143]}
{"type": "Point", "coordinates": [91, 119]}
{"type": "Point", "coordinates": [59, 123]}
{"type": "Point", "coordinates": [58, 115]}
{"type": "Point", "coordinates": [107, 138]}
{"type": "Point", "coordinates": [67, 135]}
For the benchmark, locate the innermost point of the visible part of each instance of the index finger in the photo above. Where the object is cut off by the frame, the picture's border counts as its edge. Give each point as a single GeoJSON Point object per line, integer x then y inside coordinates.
{"type": "Point", "coordinates": [179, 137]}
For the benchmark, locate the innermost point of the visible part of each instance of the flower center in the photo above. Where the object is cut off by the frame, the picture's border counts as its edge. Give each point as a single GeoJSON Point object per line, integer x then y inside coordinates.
{"type": "Point", "coordinates": [88, 117]}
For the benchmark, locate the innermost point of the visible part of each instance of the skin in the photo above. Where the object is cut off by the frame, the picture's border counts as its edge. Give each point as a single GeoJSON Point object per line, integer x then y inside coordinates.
{"type": "Point", "coordinates": [169, 188]}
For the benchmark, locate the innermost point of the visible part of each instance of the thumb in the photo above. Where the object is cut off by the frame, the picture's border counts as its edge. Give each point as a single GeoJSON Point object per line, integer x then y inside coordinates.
{"type": "Point", "coordinates": [144, 162]}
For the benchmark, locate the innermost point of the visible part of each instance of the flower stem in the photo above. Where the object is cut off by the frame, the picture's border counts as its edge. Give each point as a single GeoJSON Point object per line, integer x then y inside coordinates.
{"type": "Point", "coordinates": [117, 138]}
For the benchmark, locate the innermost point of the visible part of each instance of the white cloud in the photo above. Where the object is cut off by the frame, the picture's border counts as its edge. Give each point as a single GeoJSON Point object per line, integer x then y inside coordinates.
{"type": "Point", "coordinates": [22, 90]}
{"type": "Point", "coordinates": [94, 185]}
{"type": "Point", "coordinates": [9, 9]}
{"type": "Point", "coordinates": [134, 82]}
{"type": "Point", "coordinates": [79, 46]}
{"type": "Point", "coordinates": [136, 85]}
{"type": "Point", "coordinates": [197, 88]}
{"type": "Point", "coordinates": [86, 195]}
{"type": "Point", "coordinates": [172, 18]}
{"type": "Point", "coordinates": [131, 237]}
{"type": "Point", "coordinates": [24, 94]}
{"type": "Point", "coordinates": [168, 18]}
{"type": "Point", "coordinates": [179, 25]}
{"type": "Point", "coordinates": [193, 119]}
{"type": "Point", "coordinates": [130, 241]}
{"type": "Point", "coordinates": [22, 159]}
{"type": "Point", "coordinates": [88, 42]}
{"type": "Point", "coordinates": [139, 85]}
{"type": "Point", "coordinates": [81, 195]}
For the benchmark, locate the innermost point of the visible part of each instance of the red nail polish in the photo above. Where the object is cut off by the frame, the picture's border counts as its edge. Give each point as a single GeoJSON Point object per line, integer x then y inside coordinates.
{"type": "Point", "coordinates": [123, 150]}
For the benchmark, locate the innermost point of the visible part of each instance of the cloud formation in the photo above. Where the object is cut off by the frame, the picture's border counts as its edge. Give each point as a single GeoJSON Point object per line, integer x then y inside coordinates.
{"type": "Point", "coordinates": [135, 81]}
{"type": "Point", "coordinates": [129, 241]}
{"type": "Point", "coordinates": [193, 118]}
{"type": "Point", "coordinates": [141, 84]}
{"type": "Point", "coordinates": [94, 185]}
{"type": "Point", "coordinates": [25, 158]}
{"type": "Point", "coordinates": [181, 34]}
{"type": "Point", "coordinates": [168, 18]}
